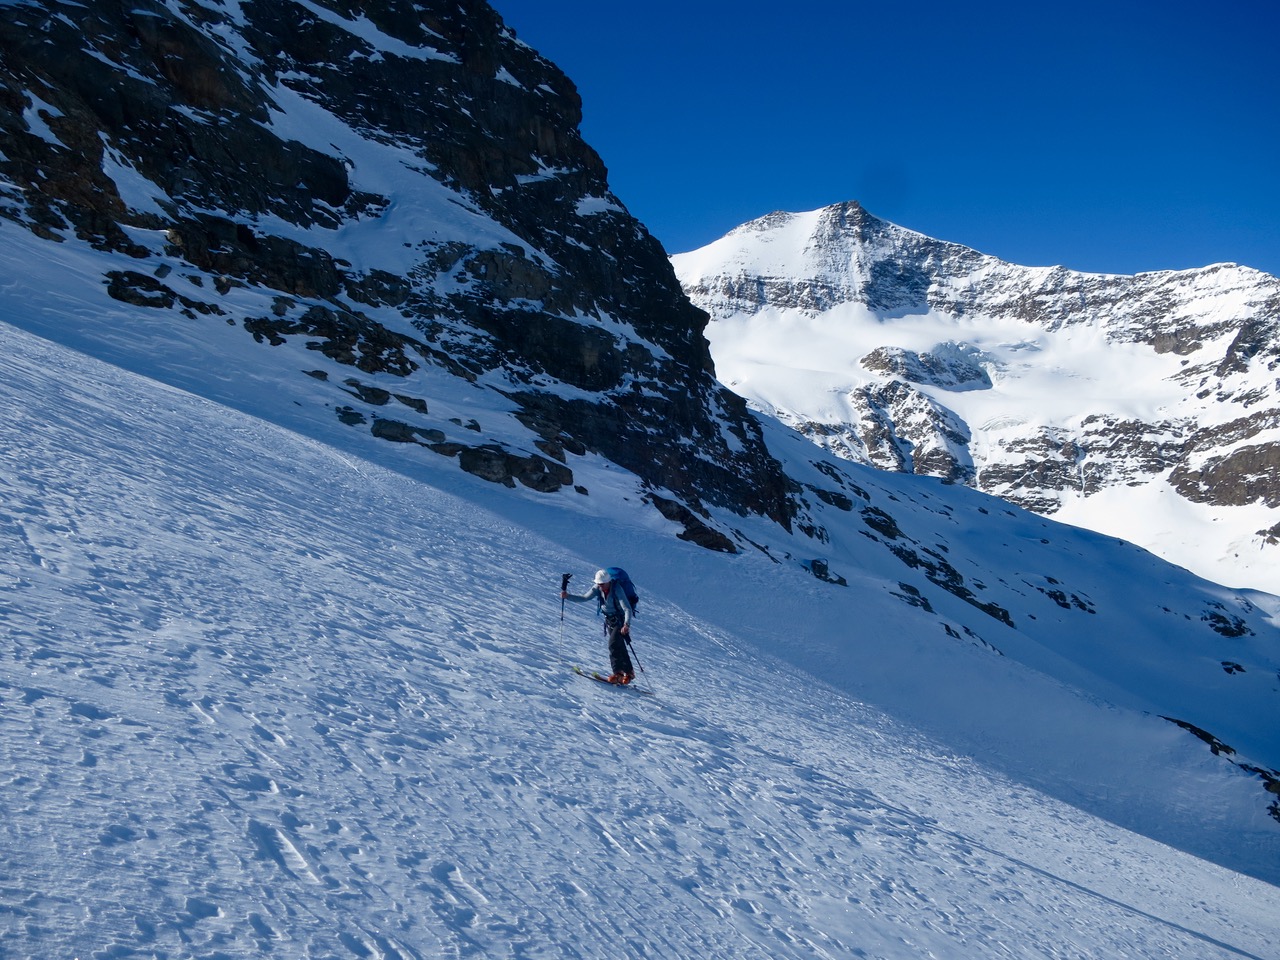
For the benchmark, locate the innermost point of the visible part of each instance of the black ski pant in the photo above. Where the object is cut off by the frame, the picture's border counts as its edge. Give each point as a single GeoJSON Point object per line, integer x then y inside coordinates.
{"type": "Point", "coordinates": [619, 658]}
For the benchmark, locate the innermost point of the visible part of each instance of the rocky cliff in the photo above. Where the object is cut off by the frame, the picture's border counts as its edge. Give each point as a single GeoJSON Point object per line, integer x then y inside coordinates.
{"type": "Point", "coordinates": [405, 184]}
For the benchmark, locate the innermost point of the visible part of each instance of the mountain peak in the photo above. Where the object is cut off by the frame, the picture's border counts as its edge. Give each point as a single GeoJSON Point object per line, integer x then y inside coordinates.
{"type": "Point", "coordinates": [816, 260]}
{"type": "Point", "coordinates": [1093, 386]}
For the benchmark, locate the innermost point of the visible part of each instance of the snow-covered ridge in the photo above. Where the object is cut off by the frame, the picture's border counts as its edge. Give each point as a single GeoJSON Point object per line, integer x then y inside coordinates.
{"type": "Point", "coordinates": [1141, 406]}
{"type": "Point", "coordinates": [262, 694]}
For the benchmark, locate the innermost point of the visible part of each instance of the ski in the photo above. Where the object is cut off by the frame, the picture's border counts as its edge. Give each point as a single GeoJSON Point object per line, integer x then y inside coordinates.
{"type": "Point", "coordinates": [601, 678]}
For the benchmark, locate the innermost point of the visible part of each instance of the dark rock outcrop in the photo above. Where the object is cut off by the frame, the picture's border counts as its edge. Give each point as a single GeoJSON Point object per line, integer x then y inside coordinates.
{"type": "Point", "coordinates": [199, 124]}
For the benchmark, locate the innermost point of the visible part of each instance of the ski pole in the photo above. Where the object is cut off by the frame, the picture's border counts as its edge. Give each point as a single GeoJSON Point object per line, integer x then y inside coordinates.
{"type": "Point", "coordinates": [564, 586]}
{"type": "Point", "coordinates": [627, 637]}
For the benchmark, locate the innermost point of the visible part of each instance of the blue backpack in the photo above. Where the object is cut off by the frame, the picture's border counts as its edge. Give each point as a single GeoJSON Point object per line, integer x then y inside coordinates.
{"type": "Point", "coordinates": [619, 576]}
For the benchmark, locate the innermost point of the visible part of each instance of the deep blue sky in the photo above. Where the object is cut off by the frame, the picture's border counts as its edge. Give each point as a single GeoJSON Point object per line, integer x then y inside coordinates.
{"type": "Point", "coordinates": [1105, 136]}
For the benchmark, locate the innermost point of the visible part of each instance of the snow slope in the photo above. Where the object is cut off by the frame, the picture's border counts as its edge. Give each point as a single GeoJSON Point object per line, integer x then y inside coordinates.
{"type": "Point", "coordinates": [262, 696]}
{"type": "Point", "coordinates": [930, 567]}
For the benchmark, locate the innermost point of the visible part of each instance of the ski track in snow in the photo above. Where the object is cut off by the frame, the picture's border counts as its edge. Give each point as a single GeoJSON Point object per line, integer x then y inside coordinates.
{"type": "Point", "coordinates": [257, 699]}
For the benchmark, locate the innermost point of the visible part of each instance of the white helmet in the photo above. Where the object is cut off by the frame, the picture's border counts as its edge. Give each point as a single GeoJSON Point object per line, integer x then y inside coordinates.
{"type": "Point", "coordinates": [602, 576]}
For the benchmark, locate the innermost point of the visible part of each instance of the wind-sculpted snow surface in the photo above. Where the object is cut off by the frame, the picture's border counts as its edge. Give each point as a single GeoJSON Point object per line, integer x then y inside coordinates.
{"type": "Point", "coordinates": [263, 698]}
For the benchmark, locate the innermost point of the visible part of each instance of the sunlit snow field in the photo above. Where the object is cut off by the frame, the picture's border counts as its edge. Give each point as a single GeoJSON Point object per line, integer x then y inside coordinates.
{"type": "Point", "coordinates": [262, 696]}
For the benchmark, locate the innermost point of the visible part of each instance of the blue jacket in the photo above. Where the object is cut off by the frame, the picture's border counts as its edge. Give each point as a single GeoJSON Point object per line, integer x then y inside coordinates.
{"type": "Point", "coordinates": [612, 599]}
